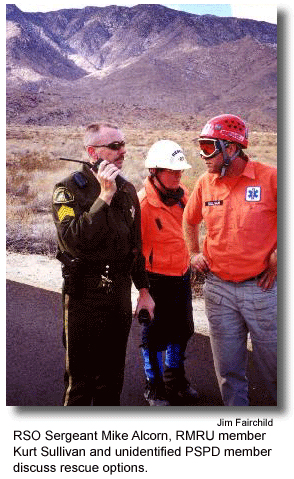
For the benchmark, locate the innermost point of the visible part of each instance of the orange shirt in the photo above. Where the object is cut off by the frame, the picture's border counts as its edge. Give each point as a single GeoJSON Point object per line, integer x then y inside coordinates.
{"type": "Point", "coordinates": [163, 243]}
{"type": "Point", "coordinates": [240, 215]}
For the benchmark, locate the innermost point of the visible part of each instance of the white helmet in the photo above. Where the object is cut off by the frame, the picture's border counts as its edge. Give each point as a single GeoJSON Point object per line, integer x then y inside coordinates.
{"type": "Point", "coordinates": [166, 154]}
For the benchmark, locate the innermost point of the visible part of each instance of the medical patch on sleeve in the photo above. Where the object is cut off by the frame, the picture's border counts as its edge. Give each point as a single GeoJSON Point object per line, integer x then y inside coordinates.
{"type": "Point", "coordinates": [62, 195]}
{"type": "Point", "coordinates": [253, 193]}
{"type": "Point", "coordinates": [65, 211]}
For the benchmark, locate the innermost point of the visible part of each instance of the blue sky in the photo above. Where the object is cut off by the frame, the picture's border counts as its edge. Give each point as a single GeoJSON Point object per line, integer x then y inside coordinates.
{"type": "Point", "coordinates": [259, 11]}
{"type": "Point", "coordinates": [219, 9]}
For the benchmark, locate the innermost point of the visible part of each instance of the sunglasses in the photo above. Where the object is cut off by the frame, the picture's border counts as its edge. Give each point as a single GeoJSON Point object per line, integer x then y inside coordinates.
{"type": "Point", "coordinates": [210, 148]}
{"type": "Point", "coordinates": [115, 145]}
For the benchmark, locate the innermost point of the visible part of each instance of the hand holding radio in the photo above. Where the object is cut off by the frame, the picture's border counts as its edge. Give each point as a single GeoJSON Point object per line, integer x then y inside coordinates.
{"type": "Point", "coordinates": [106, 175]}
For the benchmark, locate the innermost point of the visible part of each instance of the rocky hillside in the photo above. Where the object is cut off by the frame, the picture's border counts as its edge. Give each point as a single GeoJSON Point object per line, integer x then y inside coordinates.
{"type": "Point", "coordinates": [141, 65]}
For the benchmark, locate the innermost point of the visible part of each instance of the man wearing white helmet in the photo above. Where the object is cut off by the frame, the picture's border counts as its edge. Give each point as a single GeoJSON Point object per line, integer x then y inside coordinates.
{"type": "Point", "coordinates": [162, 200]}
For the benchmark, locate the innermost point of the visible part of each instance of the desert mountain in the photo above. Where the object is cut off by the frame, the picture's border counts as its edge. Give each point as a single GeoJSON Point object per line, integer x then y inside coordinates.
{"type": "Point", "coordinates": [145, 64]}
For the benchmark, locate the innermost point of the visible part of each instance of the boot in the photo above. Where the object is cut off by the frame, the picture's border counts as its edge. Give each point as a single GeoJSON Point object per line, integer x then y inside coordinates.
{"type": "Point", "coordinates": [155, 394]}
{"type": "Point", "coordinates": [178, 389]}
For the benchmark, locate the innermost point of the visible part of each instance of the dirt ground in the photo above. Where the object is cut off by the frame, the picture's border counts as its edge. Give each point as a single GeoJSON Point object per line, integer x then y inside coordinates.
{"type": "Point", "coordinates": [45, 272]}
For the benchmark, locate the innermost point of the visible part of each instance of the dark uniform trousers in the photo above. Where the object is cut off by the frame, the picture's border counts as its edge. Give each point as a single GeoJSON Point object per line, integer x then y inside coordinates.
{"type": "Point", "coordinates": [96, 329]}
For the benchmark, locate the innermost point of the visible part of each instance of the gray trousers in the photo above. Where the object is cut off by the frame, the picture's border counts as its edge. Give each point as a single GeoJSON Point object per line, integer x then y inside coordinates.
{"type": "Point", "coordinates": [233, 311]}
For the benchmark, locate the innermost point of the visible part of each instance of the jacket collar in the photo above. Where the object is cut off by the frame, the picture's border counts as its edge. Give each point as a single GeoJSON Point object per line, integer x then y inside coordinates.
{"type": "Point", "coordinates": [153, 197]}
{"type": "Point", "coordinates": [248, 171]}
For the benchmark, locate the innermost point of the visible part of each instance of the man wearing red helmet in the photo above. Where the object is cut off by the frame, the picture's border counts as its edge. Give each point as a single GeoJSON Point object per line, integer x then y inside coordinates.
{"type": "Point", "coordinates": [237, 199]}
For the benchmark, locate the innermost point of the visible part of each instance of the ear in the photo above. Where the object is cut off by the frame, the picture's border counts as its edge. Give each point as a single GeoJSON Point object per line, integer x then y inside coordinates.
{"type": "Point", "coordinates": [91, 151]}
{"type": "Point", "coordinates": [232, 148]}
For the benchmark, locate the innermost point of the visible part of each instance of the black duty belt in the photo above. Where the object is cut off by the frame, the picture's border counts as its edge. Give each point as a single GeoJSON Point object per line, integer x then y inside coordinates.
{"type": "Point", "coordinates": [96, 269]}
{"type": "Point", "coordinates": [77, 266]}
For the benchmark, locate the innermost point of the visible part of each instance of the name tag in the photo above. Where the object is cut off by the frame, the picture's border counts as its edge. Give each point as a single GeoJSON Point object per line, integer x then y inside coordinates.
{"type": "Point", "coordinates": [213, 203]}
{"type": "Point", "coordinates": [253, 193]}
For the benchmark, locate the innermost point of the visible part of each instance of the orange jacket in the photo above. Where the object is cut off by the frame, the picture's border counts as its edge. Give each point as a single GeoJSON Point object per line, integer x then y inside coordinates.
{"type": "Point", "coordinates": [240, 214]}
{"type": "Point", "coordinates": [162, 236]}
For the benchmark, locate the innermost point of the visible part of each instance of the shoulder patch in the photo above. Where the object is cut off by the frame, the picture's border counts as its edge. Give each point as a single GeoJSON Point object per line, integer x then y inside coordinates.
{"type": "Point", "coordinates": [62, 195]}
{"type": "Point", "coordinates": [80, 180]}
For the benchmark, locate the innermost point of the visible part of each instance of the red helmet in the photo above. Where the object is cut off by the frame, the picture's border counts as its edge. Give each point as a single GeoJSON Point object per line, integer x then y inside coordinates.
{"type": "Point", "coordinates": [226, 127]}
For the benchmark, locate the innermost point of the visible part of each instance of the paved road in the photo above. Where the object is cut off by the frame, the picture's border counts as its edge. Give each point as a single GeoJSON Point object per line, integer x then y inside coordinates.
{"type": "Point", "coordinates": [35, 356]}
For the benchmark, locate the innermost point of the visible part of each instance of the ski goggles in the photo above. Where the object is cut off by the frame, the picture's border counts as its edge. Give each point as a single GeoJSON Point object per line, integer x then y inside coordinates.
{"type": "Point", "coordinates": [210, 147]}
{"type": "Point", "coordinates": [115, 145]}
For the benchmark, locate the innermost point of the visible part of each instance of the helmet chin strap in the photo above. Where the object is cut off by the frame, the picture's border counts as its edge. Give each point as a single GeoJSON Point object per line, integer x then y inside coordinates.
{"type": "Point", "coordinates": [169, 196]}
{"type": "Point", "coordinates": [227, 159]}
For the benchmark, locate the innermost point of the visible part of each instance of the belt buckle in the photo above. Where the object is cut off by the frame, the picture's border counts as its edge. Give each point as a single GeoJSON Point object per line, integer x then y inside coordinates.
{"type": "Point", "coordinates": [106, 283]}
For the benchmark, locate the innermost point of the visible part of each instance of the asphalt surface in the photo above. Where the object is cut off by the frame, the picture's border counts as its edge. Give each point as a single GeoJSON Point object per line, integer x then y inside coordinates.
{"type": "Point", "coordinates": [35, 356]}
